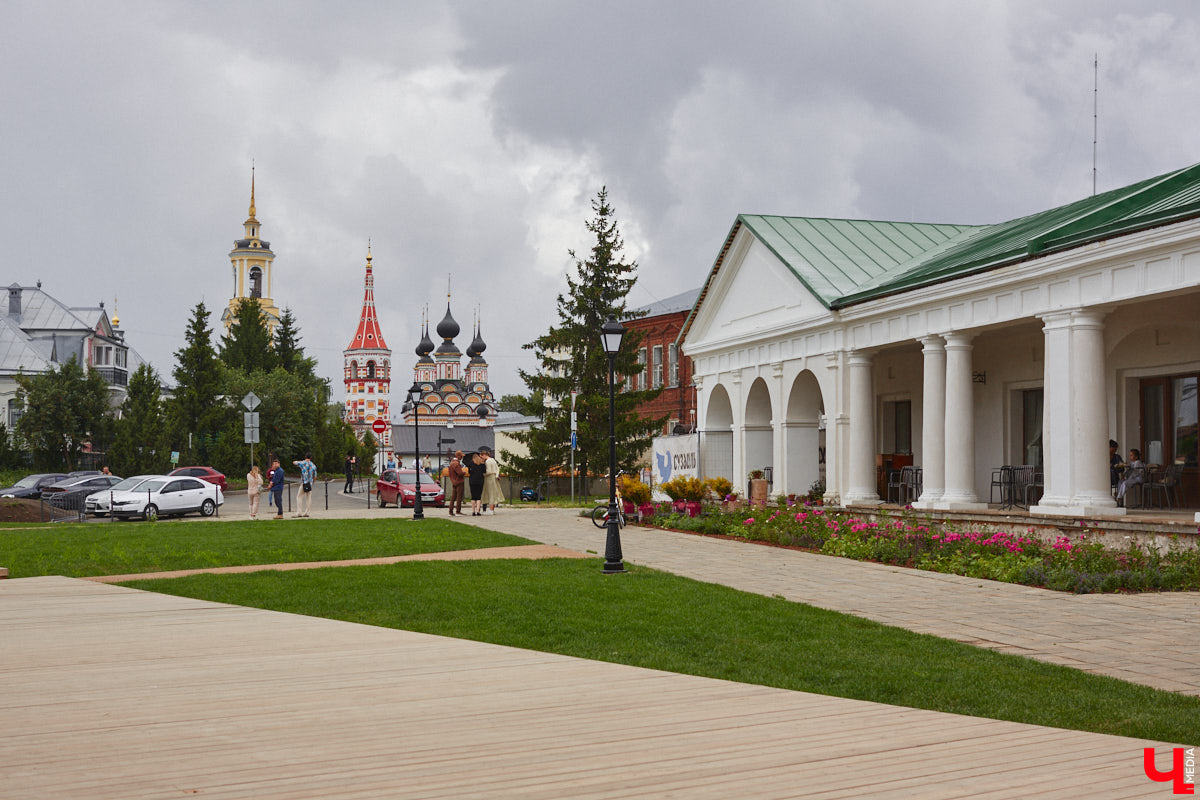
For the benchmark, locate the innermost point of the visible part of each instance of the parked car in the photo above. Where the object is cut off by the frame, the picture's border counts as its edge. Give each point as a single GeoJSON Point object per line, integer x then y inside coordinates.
{"type": "Point", "coordinates": [399, 487]}
{"type": "Point", "coordinates": [98, 502]}
{"type": "Point", "coordinates": [203, 473]}
{"type": "Point", "coordinates": [168, 497]}
{"type": "Point", "coordinates": [72, 493]}
{"type": "Point", "coordinates": [31, 485]}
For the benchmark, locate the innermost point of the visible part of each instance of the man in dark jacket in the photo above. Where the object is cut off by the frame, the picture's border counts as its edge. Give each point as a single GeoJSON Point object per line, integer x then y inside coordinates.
{"type": "Point", "coordinates": [277, 488]}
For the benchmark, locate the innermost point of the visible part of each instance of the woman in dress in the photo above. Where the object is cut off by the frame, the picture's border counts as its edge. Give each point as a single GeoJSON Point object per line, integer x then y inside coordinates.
{"type": "Point", "coordinates": [492, 496]}
{"type": "Point", "coordinates": [254, 484]}
{"type": "Point", "coordinates": [475, 469]}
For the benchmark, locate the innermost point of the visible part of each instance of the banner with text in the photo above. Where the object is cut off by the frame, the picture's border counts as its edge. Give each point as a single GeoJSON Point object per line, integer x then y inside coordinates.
{"type": "Point", "coordinates": [675, 456]}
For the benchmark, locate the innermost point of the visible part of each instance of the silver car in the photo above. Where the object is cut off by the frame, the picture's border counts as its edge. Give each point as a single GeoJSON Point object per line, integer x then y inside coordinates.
{"type": "Point", "coordinates": [167, 497]}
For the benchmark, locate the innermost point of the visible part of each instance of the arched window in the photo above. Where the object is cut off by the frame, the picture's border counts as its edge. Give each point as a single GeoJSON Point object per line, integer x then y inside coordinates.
{"type": "Point", "coordinates": [255, 282]}
{"type": "Point", "coordinates": [370, 370]}
{"type": "Point", "coordinates": [353, 369]}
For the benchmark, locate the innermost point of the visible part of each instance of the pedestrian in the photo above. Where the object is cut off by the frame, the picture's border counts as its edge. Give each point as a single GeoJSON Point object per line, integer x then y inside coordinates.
{"type": "Point", "coordinates": [105, 470]}
{"type": "Point", "coordinates": [349, 467]}
{"type": "Point", "coordinates": [475, 468]}
{"type": "Point", "coordinates": [426, 465]}
{"type": "Point", "coordinates": [277, 488]}
{"type": "Point", "coordinates": [391, 461]}
{"type": "Point", "coordinates": [308, 476]}
{"type": "Point", "coordinates": [457, 476]}
{"type": "Point", "coordinates": [492, 496]}
{"type": "Point", "coordinates": [254, 484]}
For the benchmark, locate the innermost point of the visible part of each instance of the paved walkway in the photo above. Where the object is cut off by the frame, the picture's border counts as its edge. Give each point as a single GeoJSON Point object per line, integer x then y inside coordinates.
{"type": "Point", "coordinates": [112, 693]}
{"type": "Point", "coordinates": [1146, 638]}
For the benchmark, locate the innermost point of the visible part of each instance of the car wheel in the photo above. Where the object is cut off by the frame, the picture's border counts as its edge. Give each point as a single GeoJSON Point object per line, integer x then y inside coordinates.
{"type": "Point", "coordinates": [379, 499]}
{"type": "Point", "coordinates": [207, 508]}
{"type": "Point", "coordinates": [151, 512]}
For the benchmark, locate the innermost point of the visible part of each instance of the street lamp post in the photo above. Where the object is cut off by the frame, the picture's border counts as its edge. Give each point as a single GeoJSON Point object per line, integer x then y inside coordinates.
{"type": "Point", "coordinates": [414, 394]}
{"type": "Point", "coordinates": [611, 334]}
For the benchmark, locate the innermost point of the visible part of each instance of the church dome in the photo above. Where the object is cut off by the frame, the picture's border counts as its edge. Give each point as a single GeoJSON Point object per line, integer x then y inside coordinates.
{"type": "Point", "coordinates": [447, 328]}
{"type": "Point", "coordinates": [425, 346]}
{"type": "Point", "coordinates": [477, 345]}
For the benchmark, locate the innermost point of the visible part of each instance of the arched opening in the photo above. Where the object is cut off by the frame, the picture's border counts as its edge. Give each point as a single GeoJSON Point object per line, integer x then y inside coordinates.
{"type": "Point", "coordinates": [353, 370]}
{"type": "Point", "coordinates": [716, 440]}
{"type": "Point", "coordinates": [370, 370]}
{"type": "Point", "coordinates": [758, 437]}
{"type": "Point", "coordinates": [256, 282]}
{"type": "Point", "coordinates": [804, 435]}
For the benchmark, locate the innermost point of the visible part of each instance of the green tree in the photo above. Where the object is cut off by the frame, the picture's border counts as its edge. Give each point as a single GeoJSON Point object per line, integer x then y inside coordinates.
{"type": "Point", "coordinates": [248, 344]}
{"type": "Point", "coordinates": [288, 352]}
{"type": "Point", "coordinates": [65, 408]}
{"type": "Point", "coordinates": [197, 408]}
{"type": "Point", "coordinates": [141, 443]}
{"type": "Point", "coordinates": [570, 356]}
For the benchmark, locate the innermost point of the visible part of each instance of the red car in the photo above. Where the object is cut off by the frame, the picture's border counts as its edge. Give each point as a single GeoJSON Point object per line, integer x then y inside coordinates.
{"type": "Point", "coordinates": [398, 487]}
{"type": "Point", "coordinates": [203, 473]}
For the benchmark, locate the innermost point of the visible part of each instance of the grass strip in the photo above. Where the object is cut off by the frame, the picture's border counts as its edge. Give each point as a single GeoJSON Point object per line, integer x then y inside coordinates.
{"type": "Point", "coordinates": [654, 619]}
{"type": "Point", "coordinates": [125, 548]}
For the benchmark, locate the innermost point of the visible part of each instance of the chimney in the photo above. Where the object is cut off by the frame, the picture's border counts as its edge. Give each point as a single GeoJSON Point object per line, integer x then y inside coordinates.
{"type": "Point", "coordinates": [14, 301]}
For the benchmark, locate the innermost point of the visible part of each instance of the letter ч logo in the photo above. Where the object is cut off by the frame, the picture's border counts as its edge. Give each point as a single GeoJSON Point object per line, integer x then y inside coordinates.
{"type": "Point", "coordinates": [1179, 774]}
{"type": "Point", "coordinates": [664, 465]}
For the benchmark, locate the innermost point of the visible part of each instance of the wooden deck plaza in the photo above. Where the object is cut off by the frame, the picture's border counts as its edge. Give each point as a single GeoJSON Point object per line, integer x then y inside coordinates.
{"type": "Point", "coordinates": [114, 693]}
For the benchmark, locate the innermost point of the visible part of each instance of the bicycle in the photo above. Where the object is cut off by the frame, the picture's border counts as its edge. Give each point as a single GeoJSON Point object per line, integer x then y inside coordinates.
{"type": "Point", "coordinates": [600, 514]}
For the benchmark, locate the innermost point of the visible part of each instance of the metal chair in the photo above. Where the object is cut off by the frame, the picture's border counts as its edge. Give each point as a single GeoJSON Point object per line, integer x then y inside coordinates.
{"type": "Point", "coordinates": [998, 482]}
{"type": "Point", "coordinates": [912, 481]}
{"type": "Point", "coordinates": [1165, 483]}
{"type": "Point", "coordinates": [895, 485]}
{"type": "Point", "coordinates": [1035, 485]}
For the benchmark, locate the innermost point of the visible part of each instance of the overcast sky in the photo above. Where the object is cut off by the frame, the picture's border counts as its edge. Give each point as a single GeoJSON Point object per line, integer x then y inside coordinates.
{"type": "Point", "coordinates": [467, 140]}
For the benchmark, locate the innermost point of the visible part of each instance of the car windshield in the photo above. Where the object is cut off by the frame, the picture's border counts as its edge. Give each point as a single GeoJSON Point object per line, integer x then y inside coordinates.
{"type": "Point", "coordinates": [127, 484]}
{"type": "Point", "coordinates": [410, 479]}
{"type": "Point", "coordinates": [26, 483]}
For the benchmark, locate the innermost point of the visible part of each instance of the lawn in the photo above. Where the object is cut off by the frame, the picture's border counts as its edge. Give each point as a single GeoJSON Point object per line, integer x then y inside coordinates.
{"type": "Point", "coordinates": [653, 619]}
{"type": "Point", "coordinates": [124, 548]}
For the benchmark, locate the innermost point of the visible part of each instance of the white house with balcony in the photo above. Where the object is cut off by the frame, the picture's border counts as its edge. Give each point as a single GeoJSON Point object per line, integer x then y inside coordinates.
{"type": "Point", "coordinates": [39, 332]}
{"type": "Point", "coordinates": [957, 349]}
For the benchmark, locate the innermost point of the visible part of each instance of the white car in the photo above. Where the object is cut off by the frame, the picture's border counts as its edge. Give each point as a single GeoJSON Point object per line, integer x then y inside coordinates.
{"type": "Point", "coordinates": [98, 502]}
{"type": "Point", "coordinates": [168, 496]}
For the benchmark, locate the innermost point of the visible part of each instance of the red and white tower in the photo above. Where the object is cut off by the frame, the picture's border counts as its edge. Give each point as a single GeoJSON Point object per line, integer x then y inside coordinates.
{"type": "Point", "coordinates": [368, 371]}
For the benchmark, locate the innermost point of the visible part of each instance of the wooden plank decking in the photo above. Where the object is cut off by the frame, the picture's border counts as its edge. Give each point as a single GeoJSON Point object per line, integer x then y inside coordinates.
{"type": "Point", "coordinates": [114, 693]}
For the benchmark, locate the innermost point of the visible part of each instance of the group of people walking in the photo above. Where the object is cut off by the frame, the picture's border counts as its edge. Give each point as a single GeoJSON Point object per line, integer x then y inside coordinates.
{"type": "Point", "coordinates": [479, 472]}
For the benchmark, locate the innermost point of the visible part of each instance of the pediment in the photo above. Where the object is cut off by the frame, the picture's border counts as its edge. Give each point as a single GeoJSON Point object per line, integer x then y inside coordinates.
{"type": "Point", "coordinates": [753, 293]}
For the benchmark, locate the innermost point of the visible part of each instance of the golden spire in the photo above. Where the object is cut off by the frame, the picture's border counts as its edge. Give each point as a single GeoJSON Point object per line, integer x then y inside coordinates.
{"type": "Point", "coordinates": [368, 252]}
{"type": "Point", "coordinates": [115, 319]}
{"type": "Point", "coordinates": [251, 189]}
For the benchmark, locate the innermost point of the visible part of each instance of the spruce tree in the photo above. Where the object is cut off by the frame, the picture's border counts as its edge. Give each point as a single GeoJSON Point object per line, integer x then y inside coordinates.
{"type": "Point", "coordinates": [141, 443]}
{"type": "Point", "coordinates": [248, 345]}
{"type": "Point", "coordinates": [195, 409]}
{"type": "Point", "coordinates": [571, 356]}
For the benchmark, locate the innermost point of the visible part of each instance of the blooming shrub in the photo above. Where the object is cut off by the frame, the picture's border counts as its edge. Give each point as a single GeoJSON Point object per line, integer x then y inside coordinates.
{"type": "Point", "coordinates": [1080, 565]}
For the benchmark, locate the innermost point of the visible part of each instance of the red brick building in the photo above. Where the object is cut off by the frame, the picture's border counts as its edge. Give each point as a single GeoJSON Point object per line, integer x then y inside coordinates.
{"type": "Point", "coordinates": [664, 364]}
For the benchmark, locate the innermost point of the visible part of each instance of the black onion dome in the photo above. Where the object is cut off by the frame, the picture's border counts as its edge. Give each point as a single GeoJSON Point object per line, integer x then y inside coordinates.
{"type": "Point", "coordinates": [447, 328]}
{"type": "Point", "coordinates": [425, 346]}
{"type": "Point", "coordinates": [477, 345]}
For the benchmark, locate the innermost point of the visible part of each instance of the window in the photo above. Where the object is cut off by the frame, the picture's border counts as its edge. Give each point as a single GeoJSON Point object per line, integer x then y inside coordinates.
{"type": "Point", "coordinates": [897, 427]}
{"type": "Point", "coordinates": [371, 370]}
{"type": "Point", "coordinates": [14, 414]}
{"type": "Point", "coordinates": [256, 282]}
{"type": "Point", "coordinates": [656, 355]}
{"type": "Point", "coordinates": [353, 369]}
{"type": "Point", "coordinates": [1031, 426]}
{"type": "Point", "coordinates": [672, 364]}
{"type": "Point", "coordinates": [640, 378]}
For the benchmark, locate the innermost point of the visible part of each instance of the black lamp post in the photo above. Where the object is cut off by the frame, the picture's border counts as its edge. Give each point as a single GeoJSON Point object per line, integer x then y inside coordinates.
{"type": "Point", "coordinates": [414, 394]}
{"type": "Point", "coordinates": [611, 334]}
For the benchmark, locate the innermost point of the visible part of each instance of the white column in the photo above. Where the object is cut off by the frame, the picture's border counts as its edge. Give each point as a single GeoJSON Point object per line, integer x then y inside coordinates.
{"type": "Point", "coordinates": [933, 422]}
{"type": "Point", "coordinates": [1074, 423]}
{"type": "Point", "coordinates": [738, 428]}
{"type": "Point", "coordinates": [959, 491]}
{"type": "Point", "coordinates": [836, 428]}
{"type": "Point", "coordinates": [779, 442]}
{"type": "Point", "coordinates": [861, 402]}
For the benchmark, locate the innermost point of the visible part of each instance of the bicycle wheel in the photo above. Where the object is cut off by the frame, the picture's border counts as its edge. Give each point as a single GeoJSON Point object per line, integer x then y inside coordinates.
{"type": "Point", "coordinates": [600, 516]}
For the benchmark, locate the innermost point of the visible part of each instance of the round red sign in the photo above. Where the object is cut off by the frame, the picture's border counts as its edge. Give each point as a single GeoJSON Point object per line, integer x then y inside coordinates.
{"type": "Point", "coordinates": [379, 426]}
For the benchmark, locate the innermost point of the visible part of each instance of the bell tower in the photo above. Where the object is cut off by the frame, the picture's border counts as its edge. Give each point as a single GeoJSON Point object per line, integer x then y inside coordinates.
{"type": "Point", "coordinates": [367, 369]}
{"type": "Point", "coordinates": [251, 260]}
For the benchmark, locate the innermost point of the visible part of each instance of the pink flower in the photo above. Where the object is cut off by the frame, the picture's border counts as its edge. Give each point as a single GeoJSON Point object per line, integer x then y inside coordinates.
{"type": "Point", "coordinates": [748, 521]}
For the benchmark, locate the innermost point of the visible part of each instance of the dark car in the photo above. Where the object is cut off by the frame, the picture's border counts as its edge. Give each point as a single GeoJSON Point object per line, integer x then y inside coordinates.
{"type": "Point", "coordinates": [203, 473]}
{"type": "Point", "coordinates": [72, 492]}
{"type": "Point", "coordinates": [399, 487]}
{"type": "Point", "coordinates": [31, 485]}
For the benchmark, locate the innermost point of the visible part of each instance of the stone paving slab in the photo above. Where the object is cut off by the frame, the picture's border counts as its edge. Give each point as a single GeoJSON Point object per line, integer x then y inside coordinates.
{"type": "Point", "coordinates": [116, 694]}
{"type": "Point", "coordinates": [1151, 638]}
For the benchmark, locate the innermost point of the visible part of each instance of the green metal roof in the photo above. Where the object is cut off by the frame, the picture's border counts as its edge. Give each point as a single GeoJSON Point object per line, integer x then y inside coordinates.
{"type": "Point", "coordinates": [844, 262]}
{"type": "Point", "coordinates": [834, 257]}
{"type": "Point", "coordinates": [1157, 201]}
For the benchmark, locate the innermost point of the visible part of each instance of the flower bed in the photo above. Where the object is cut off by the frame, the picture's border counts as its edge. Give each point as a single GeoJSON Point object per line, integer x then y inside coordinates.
{"type": "Point", "coordinates": [1065, 564]}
